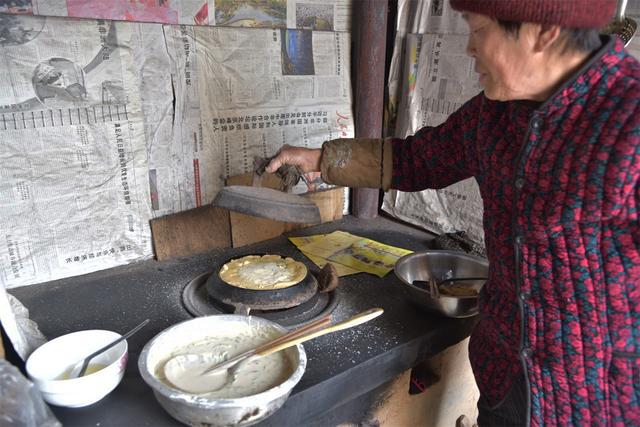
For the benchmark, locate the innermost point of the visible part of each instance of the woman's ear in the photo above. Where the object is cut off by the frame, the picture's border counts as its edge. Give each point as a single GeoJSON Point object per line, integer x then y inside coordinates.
{"type": "Point", "coordinates": [546, 36]}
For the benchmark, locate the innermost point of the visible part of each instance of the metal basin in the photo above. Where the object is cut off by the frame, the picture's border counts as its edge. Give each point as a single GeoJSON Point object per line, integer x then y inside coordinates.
{"type": "Point", "coordinates": [200, 410]}
{"type": "Point", "coordinates": [440, 265]}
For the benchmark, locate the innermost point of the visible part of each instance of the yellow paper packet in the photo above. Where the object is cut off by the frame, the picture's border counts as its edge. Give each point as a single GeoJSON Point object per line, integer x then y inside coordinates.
{"type": "Point", "coordinates": [342, 270]}
{"type": "Point", "coordinates": [356, 252]}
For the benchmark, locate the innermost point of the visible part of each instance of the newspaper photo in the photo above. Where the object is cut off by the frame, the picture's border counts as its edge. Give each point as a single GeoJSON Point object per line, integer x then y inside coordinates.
{"type": "Point", "coordinates": [74, 162]}
{"type": "Point", "coordinates": [323, 15]}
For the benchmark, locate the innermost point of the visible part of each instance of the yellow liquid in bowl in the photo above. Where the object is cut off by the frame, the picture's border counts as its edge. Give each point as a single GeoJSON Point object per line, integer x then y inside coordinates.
{"type": "Point", "coordinates": [91, 369]}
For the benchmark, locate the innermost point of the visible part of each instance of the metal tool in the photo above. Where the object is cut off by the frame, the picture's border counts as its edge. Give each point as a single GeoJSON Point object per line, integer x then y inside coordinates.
{"type": "Point", "coordinates": [86, 360]}
{"type": "Point", "coordinates": [434, 285]}
{"type": "Point", "coordinates": [624, 27]}
{"type": "Point", "coordinates": [433, 288]}
{"type": "Point", "coordinates": [268, 203]}
{"type": "Point", "coordinates": [462, 279]}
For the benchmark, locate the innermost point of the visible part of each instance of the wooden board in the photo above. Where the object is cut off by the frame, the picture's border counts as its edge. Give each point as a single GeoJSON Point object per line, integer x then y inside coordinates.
{"type": "Point", "coordinates": [330, 203]}
{"type": "Point", "coordinates": [190, 232]}
{"type": "Point", "coordinates": [247, 229]}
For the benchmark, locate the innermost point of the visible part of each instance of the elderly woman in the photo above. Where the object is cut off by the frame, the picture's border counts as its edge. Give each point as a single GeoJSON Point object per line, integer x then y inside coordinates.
{"type": "Point", "coordinates": [554, 144]}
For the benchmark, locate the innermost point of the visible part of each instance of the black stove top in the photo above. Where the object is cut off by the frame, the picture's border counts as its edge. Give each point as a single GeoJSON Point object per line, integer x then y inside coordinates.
{"type": "Point", "coordinates": [198, 302]}
{"type": "Point", "coordinates": [342, 367]}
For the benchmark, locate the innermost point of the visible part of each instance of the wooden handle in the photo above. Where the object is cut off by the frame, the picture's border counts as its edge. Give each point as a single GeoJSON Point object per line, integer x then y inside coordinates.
{"type": "Point", "coordinates": [313, 326]}
{"type": "Point", "coordinates": [310, 327]}
{"type": "Point", "coordinates": [358, 319]}
{"type": "Point", "coordinates": [305, 333]}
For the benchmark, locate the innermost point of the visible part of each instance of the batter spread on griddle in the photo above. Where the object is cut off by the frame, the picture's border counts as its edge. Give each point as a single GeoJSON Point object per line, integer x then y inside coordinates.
{"type": "Point", "coordinates": [265, 272]}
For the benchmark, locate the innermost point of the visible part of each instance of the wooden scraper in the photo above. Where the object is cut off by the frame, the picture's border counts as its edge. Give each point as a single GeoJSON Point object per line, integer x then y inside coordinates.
{"type": "Point", "coordinates": [268, 203]}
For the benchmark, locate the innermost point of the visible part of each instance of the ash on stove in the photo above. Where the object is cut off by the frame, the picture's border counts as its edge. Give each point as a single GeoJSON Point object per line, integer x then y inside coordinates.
{"type": "Point", "coordinates": [198, 302]}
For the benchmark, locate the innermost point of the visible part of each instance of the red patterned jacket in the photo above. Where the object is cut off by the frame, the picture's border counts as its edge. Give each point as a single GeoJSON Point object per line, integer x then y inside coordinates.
{"type": "Point", "coordinates": [561, 191]}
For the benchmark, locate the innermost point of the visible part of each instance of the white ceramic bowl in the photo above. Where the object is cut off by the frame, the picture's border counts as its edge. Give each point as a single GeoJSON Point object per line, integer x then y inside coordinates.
{"type": "Point", "coordinates": [50, 361]}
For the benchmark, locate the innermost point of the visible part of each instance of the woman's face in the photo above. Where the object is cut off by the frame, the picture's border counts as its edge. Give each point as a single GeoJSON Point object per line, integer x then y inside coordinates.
{"type": "Point", "coordinates": [506, 62]}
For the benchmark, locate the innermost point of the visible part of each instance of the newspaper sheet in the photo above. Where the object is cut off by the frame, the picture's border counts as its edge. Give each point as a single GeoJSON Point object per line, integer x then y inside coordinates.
{"type": "Point", "coordinates": [439, 79]}
{"type": "Point", "coordinates": [151, 67]}
{"type": "Point", "coordinates": [74, 175]}
{"type": "Point", "coordinates": [433, 16]}
{"type": "Point", "coordinates": [92, 147]}
{"type": "Point", "coordinates": [246, 92]}
{"type": "Point", "coordinates": [415, 17]}
{"type": "Point", "coordinates": [321, 15]}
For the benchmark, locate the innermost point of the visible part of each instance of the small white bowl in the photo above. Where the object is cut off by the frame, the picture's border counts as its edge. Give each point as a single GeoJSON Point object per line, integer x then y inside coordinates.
{"type": "Point", "coordinates": [49, 363]}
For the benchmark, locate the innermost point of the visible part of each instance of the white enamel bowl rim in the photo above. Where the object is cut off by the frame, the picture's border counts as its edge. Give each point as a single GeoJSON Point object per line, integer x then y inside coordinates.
{"type": "Point", "coordinates": [43, 372]}
{"type": "Point", "coordinates": [176, 394]}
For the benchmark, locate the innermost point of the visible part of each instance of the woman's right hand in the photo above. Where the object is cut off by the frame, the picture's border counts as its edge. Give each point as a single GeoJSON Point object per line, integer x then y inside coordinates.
{"type": "Point", "coordinates": [306, 159]}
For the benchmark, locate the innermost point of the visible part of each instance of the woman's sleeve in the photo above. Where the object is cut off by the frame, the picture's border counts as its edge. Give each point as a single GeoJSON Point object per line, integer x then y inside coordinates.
{"type": "Point", "coordinates": [436, 157]}
{"type": "Point", "coordinates": [357, 163]}
{"type": "Point", "coordinates": [432, 158]}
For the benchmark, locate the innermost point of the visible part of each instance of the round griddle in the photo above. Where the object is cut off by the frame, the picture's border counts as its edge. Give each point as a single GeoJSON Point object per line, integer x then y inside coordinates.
{"type": "Point", "coordinates": [272, 299]}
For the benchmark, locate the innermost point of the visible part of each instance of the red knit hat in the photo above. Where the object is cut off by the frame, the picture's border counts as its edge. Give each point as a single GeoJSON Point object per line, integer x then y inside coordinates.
{"type": "Point", "coordinates": [566, 13]}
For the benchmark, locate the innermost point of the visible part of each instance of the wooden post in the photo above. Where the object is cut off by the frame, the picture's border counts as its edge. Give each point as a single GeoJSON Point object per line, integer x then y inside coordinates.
{"type": "Point", "coordinates": [370, 38]}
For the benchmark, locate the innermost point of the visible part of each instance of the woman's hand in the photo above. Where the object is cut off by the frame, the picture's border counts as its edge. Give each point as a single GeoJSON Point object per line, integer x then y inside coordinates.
{"type": "Point", "coordinates": [306, 159]}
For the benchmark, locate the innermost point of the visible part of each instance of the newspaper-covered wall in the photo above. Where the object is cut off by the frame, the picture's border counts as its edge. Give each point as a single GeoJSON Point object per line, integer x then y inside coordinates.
{"type": "Point", "coordinates": [323, 15]}
{"type": "Point", "coordinates": [152, 64]}
{"type": "Point", "coordinates": [75, 193]}
{"type": "Point", "coordinates": [92, 148]}
{"type": "Point", "coordinates": [434, 78]}
{"type": "Point", "coordinates": [246, 93]}
{"type": "Point", "coordinates": [415, 17]}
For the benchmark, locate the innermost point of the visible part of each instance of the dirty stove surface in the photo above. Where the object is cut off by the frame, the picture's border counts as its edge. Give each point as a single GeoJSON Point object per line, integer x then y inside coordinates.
{"type": "Point", "coordinates": [342, 367]}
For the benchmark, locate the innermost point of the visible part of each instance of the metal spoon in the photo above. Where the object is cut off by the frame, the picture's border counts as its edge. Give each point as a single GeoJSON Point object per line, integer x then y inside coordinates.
{"type": "Point", "coordinates": [81, 369]}
{"type": "Point", "coordinates": [179, 370]}
{"type": "Point", "coordinates": [434, 286]}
